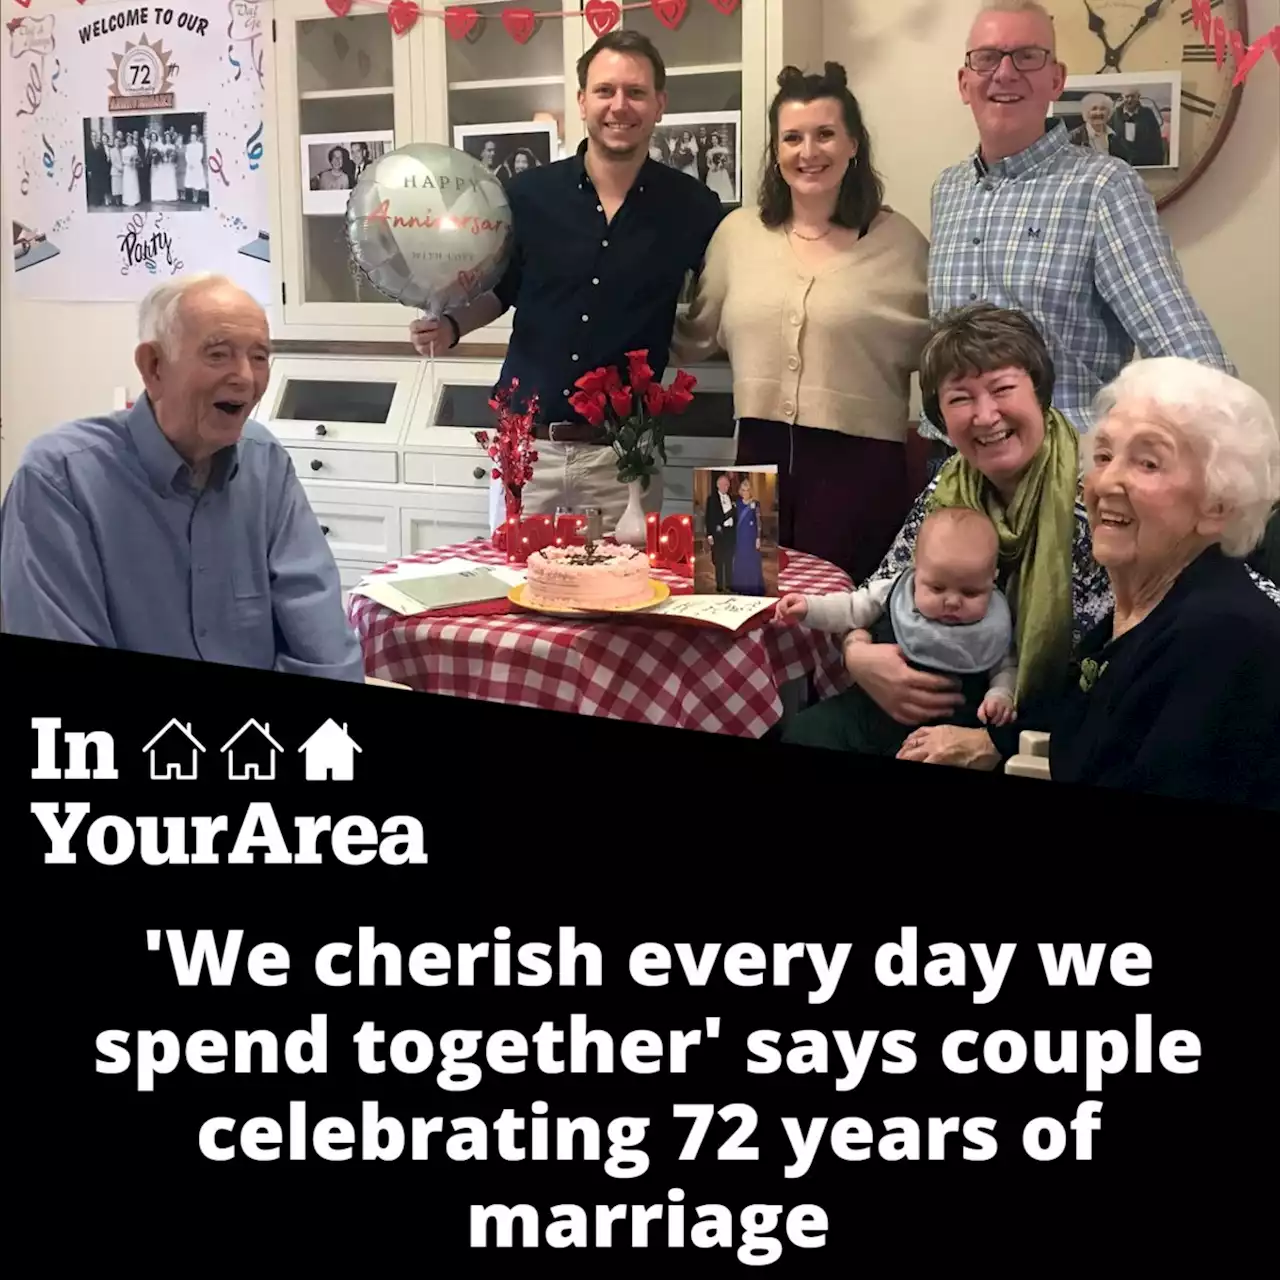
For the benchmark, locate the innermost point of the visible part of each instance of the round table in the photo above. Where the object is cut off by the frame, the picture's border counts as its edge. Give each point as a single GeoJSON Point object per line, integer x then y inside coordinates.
{"type": "Point", "coordinates": [691, 677]}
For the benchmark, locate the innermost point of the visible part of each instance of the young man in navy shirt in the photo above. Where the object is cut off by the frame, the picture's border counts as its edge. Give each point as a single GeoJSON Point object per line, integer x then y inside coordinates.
{"type": "Point", "coordinates": [604, 242]}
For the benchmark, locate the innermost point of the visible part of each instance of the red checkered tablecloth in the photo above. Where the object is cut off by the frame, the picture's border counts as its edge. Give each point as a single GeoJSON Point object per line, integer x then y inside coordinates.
{"type": "Point", "coordinates": [683, 676]}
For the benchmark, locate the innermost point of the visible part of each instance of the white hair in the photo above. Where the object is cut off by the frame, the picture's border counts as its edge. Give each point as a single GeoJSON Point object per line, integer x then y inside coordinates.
{"type": "Point", "coordinates": [1227, 423]}
{"type": "Point", "coordinates": [1020, 6]}
{"type": "Point", "coordinates": [1097, 99]}
{"type": "Point", "coordinates": [160, 313]}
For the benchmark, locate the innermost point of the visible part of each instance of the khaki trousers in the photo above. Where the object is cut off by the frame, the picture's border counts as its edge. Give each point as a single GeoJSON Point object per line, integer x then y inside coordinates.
{"type": "Point", "coordinates": [582, 475]}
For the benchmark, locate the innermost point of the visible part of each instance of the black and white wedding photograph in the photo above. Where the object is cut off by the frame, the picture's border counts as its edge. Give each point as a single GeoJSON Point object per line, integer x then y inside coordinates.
{"type": "Point", "coordinates": [705, 145]}
{"type": "Point", "coordinates": [146, 162]}
{"type": "Point", "coordinates": [1132, 116]}
{"type": "Point", "coordinates": [332, 164]}
{"type": "Point", "coordinates": [508, 149]}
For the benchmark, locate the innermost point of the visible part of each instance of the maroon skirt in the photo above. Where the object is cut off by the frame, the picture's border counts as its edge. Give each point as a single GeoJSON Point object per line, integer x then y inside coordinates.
{"type": "Point", "coordinates": [840, 497]}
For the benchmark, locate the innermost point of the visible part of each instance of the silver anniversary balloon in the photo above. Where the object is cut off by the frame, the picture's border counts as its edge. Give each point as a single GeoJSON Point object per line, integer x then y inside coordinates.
{"type": "Point", "coordinates": [430, 227]}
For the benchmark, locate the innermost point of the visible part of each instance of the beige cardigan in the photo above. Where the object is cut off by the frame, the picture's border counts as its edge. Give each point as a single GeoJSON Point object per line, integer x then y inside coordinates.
{"type": "Point", "coordinates": [833, 350]}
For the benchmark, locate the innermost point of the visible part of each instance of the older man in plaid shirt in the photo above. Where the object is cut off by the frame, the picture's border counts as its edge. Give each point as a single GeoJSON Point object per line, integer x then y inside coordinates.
{"type": "Point", "coordinates": [1063, 233]}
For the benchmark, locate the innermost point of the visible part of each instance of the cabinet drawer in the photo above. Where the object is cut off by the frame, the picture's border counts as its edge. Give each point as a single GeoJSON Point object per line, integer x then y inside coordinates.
{"type": "Point", "coordinates": [455, 470]}
{"type": "Point", "coordinates": [364, 466]}
{"type": "Point", "coordinates": [451, 517]}
{"type": "Point", "coordinates": [357, 533]}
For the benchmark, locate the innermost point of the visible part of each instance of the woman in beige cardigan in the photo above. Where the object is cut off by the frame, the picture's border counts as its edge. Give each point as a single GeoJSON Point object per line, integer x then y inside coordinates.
{"type": "Point", "coordinates": [820, 300]}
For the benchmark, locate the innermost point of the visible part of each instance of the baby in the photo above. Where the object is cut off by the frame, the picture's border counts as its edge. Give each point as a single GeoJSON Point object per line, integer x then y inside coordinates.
{"type": "Point", "coordinates": [944, 613]}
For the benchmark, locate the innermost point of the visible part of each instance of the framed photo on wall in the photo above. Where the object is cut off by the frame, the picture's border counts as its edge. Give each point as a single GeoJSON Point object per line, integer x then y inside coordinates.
{"type": "Point", "coordinates": [332, 164]}
{"type": "Point", "coordinates": [510, 148]}
{"type": "Point", "coordinates": [1133, 116]}
{"type": "Point", "coordinates": [706, 145]}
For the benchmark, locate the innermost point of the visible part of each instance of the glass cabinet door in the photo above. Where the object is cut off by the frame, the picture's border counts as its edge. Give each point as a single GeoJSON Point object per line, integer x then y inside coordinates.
{"type": "Point", "coordinates": [344, 98]}
{"type": "Point", "coordinates": [702, 130]}
{"type": "Point", "coordinates": [506, 103]}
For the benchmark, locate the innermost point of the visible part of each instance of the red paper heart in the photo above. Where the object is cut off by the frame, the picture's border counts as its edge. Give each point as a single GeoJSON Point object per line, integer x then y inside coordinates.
{"type": "Point", "coordinates": [725, 6]}
{"type": "Point", "coordinates": [670, 12]}
{"type": "Point", "coordinates": [339, 8]}
{"type": "Point", "coordinates": [458, 21]}
{"type": "Point", "coordinates": [402, 15]}
{"type": "Point", "coordinates": [519, 24]}
{"type": "Point", "coordinates": [26, 4]}
{"type": "Point", "coordinates": [602, 16]}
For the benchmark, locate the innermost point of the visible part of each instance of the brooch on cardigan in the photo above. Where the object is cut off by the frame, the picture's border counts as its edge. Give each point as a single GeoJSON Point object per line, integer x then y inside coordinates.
{"type": "Point", "coordinates": [1090, 673]}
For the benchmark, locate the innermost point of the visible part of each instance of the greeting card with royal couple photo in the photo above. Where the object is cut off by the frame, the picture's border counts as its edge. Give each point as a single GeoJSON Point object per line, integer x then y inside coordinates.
{"type": "Point", "coordinates": [735, 521]}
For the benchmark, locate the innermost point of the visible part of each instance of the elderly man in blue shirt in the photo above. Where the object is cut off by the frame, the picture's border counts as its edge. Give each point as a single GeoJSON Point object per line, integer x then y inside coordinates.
{"type": "Point", "coordinates": [1066, 234]}
{"type": "Point", "coordinates": [178, 527]}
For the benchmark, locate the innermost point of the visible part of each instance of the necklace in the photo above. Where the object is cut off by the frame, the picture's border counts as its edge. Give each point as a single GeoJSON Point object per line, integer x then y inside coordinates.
{"type": "Point", "coordinates": [822, 236]}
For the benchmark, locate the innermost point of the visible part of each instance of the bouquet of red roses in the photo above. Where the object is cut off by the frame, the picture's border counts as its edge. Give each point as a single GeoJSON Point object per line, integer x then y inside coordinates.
{"type": "Point", "coordinates": [511, 445]}
{"type": "Point", "coordinates": [631, 412]}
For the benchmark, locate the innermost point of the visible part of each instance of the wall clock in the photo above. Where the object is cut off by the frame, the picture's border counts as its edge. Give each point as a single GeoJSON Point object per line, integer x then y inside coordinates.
{"type": "Point", "coordinates": [1138, 46]}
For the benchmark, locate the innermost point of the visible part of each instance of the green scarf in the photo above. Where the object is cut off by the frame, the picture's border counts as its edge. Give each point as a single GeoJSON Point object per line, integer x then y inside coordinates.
{"type": "Point", "coordinates": [1037, 533]}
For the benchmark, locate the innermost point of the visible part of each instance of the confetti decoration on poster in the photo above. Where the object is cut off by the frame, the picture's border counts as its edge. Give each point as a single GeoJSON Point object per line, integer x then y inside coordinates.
{"type": "Point", "coordinates": [253, 148]}
{"type": "Point", "coordinates": [156, 162]}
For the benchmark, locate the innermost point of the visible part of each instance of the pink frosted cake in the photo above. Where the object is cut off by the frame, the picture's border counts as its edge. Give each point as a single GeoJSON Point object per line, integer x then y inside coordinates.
{"type": "Point", "coordinates": [606, 577]}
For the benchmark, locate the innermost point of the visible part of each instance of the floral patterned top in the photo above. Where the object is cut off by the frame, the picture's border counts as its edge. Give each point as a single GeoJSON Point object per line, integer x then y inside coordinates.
{"type": "Point", "coordinates": [1090, 587]}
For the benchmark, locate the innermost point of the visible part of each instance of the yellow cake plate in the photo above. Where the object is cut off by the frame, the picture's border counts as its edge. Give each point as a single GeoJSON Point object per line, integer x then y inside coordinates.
{"type": "Point", "coordinates": [660, 592]}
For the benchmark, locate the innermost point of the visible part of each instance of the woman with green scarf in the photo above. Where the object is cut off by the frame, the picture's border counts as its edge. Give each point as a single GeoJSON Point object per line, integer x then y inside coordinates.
{"type": "Point", "coordinates": [987, 375]}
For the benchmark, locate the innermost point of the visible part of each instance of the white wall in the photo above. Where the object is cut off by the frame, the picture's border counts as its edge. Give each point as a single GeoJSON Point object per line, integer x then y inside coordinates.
{"type": "Point", "coordinates": [62, 360]}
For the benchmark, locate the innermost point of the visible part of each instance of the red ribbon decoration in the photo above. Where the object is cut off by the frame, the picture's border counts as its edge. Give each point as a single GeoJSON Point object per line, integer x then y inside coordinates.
{"type": "Point", "coordinates": [519, 24]}
{"type": "Point", "coordinates": [602, 16]}
{"type": "Point", "coordinates": [339, 8]}
{"type": "Point", "coordinates": [459, 20]}
{"type": "Point", "coordinates": [725, 6]}
{"type": "Point", "coordinates": [670, 12]}
{"type": "Point", "coordinates": [403, 15]}
{"type": "Point", "coordinates": [1202, 18]}
{"type": "Point", "coordinates": [1246, 61]}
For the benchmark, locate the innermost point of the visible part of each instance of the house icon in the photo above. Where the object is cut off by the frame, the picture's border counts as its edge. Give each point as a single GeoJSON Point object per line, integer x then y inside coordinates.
{"type": "Point", "coordinates": [173, 753]}
{"type": "Point", "coordinates": [255, 756]}
{"type": "Point", "coordinates": [329, 754]}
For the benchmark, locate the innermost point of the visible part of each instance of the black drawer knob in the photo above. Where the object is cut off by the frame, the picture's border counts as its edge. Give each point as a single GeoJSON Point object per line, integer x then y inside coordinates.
{"type": "Point", "coordinates": [322, 430]}
{"type": "Point", "coordinates": [316, 464]}
{"type": "Point", "coordinates": [324, 528]}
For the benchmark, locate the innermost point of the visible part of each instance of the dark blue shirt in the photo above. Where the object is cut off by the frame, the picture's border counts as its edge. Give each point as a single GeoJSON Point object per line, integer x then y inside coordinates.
{"type": "Point", "coordinates": [104, 540]}
{"type": "Point", "coordinates": [585, 290]}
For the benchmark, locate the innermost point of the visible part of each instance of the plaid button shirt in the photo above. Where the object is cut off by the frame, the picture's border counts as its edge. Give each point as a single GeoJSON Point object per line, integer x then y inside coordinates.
{"type": "Point", "coordinates": [1070, 237]}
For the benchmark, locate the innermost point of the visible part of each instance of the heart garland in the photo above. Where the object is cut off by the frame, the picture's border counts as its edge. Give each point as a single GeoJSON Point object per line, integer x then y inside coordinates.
{"type": "Point", "coordinates": [459, 20]}
{"type": "Point", "coordinates": [339, 8]}
{"type": "Point", "coordinates": [670, 13]}
{"type": "Point", "coordinates": [602, 16]}
{"type": "Point", "coordinates": [463, 21]}
{"type": "Point", "coordinates": [519, 24]}
{"type": "Point", "coordinates": [403, 15]}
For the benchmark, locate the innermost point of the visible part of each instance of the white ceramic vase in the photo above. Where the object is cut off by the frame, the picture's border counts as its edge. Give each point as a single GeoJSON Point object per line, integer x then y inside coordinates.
{"type": "Point", "coordinates": [631, 525]}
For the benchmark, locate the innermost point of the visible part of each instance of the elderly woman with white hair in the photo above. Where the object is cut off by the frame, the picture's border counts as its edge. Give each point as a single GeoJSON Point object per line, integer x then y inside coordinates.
{"type": "Point", "coordinates": [1177, 691]}
{"type": "Point", "coordinates": [1096, 109]}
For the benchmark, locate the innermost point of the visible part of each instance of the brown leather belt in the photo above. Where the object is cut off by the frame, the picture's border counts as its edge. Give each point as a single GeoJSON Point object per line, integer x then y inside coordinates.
{"type": "Point", "coordinates": [569, 433]}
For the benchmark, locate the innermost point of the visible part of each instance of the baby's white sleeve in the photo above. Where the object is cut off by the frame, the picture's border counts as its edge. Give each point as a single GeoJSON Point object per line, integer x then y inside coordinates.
{"type": "Point", "coordinates": [1004, 681]}
{"type": "Point", "coordinates": [843, 612]}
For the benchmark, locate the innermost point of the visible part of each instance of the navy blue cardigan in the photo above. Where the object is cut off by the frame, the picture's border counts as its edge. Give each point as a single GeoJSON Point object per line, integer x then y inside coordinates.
{"type": "Point", "coordinates": [1188, 701]}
